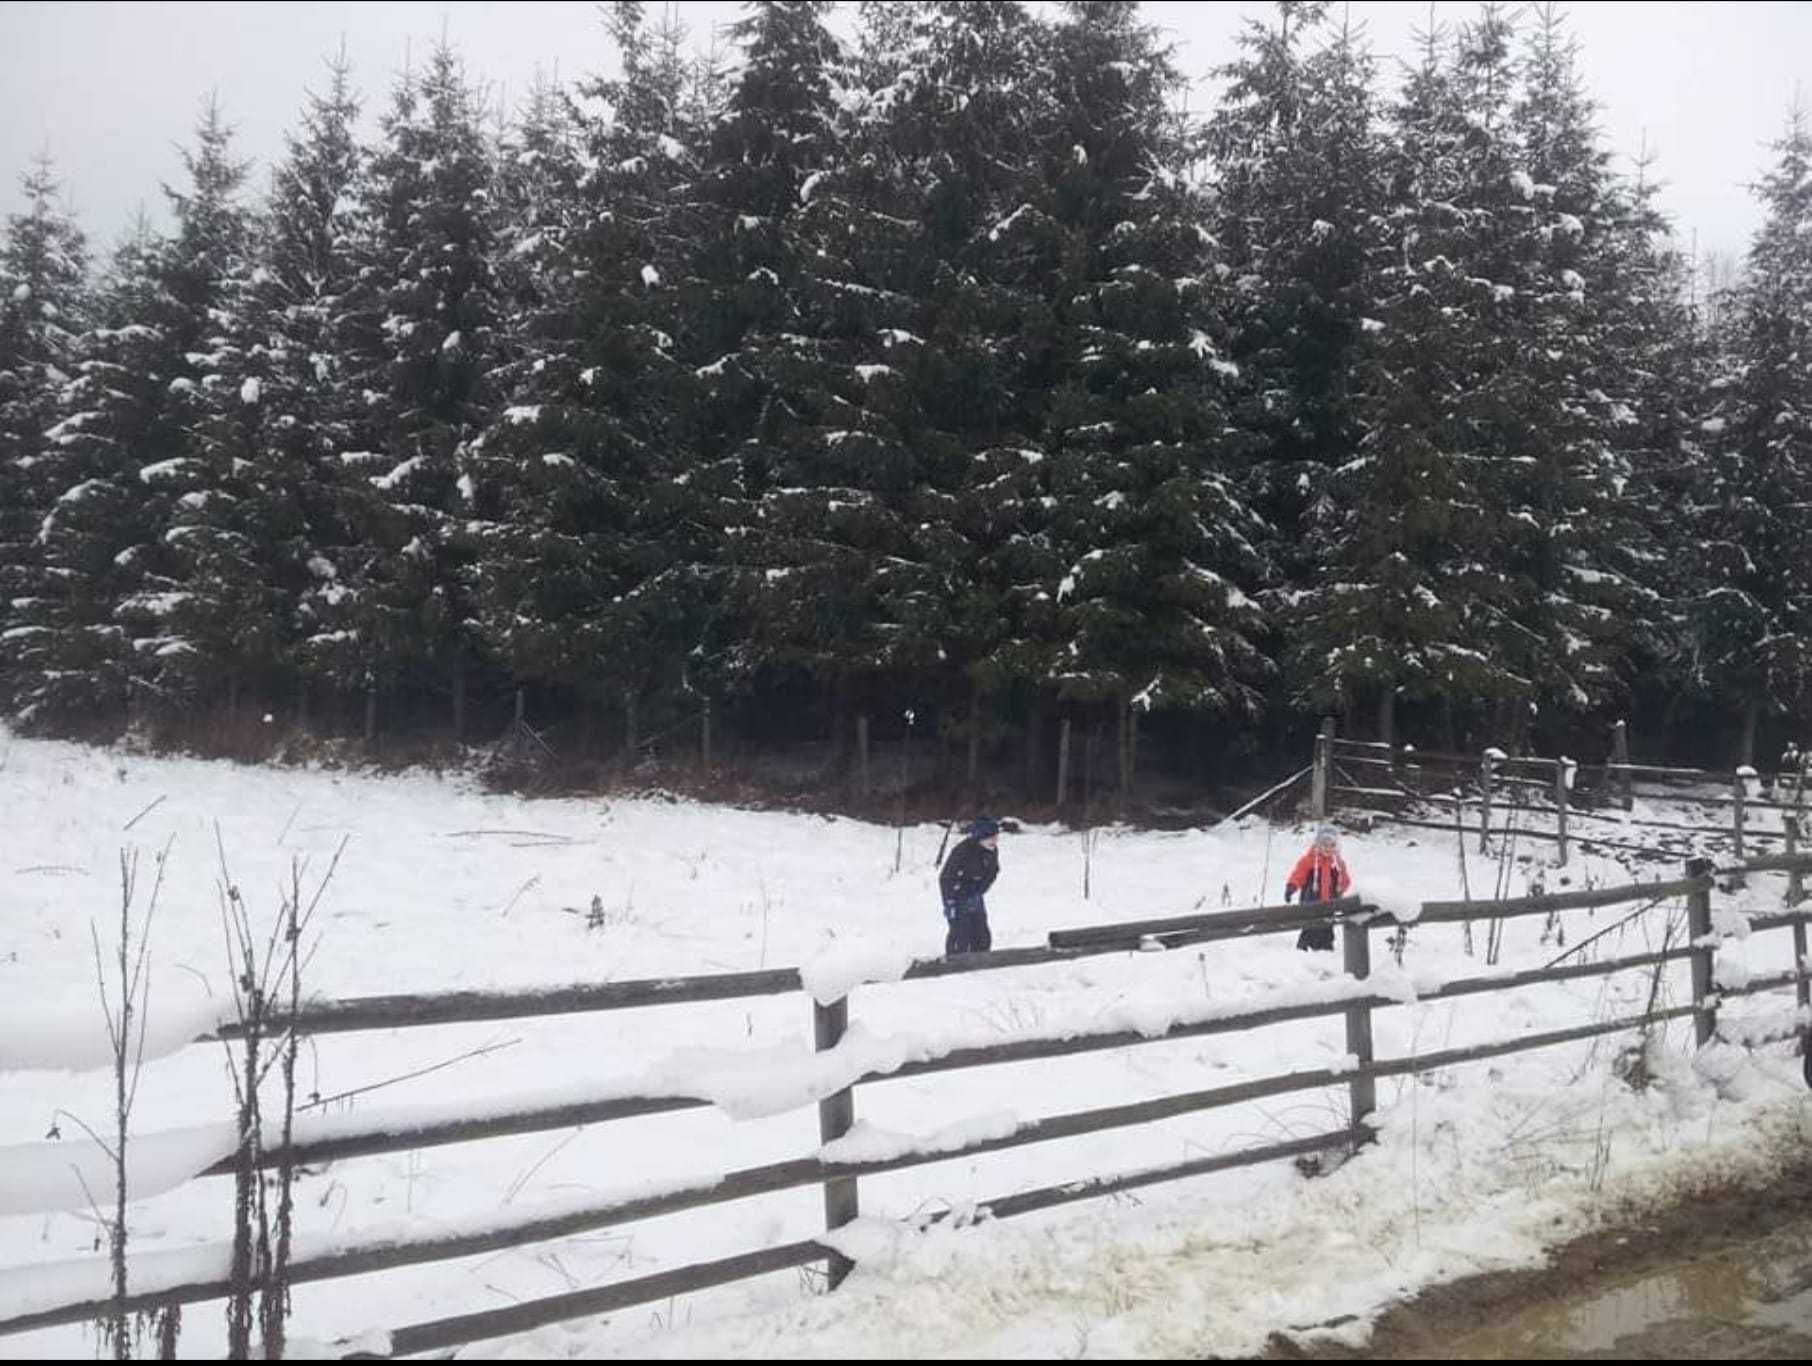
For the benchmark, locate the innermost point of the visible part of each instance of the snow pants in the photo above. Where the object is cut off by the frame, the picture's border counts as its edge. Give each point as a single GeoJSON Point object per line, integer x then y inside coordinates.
{"type": "Point", "coordinates": [968, 933]}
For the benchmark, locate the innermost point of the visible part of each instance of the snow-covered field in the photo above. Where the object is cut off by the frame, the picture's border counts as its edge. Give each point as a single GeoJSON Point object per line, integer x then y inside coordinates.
{"type": "Point", "coordinates": [442, 886]}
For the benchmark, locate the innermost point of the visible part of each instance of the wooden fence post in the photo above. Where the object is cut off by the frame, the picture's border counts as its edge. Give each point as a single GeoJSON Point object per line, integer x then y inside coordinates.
{"type": "Point", "coordinates": [1795, 888]}
{"type": "Point", "coordinates": [1795, 895]}
{"type": "Point", "coordinates": [1562, 770]}
{"type": "Point", "coordinates": [1324, 769]}
{"type": "Point", "coordinates": [836, 1116]}
{"type": "Point", "coordinates": [1355, 932]}
{"type": "Point", "coordinates": [1698, 930]}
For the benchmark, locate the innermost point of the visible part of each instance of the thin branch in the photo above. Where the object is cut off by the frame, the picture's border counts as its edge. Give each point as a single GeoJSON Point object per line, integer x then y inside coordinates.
{"type": "Point", "coordinates": [411, 1076]}
{"type": "Point", "coordinates": [100, 974]}
{"type": "Point", "coordinates": [308, 916]}
{"type": "Point", "coordinates": [226, 933]}
{"type": "Point", "coordinates": [1641, 910]}
{"type": "Point", "coordinates": [140, 988]}
{"type": "Point", "coordinates": [98, 1141]}
{"type": "Point", "coordinates": [141, 815]}
{"type": "Point", "coordinates": [521, 1181]}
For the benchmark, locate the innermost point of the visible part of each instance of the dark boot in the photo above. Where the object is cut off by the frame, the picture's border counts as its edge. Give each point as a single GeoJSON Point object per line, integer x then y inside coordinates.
{"type": "Point", "coordinates": [1317, 937]}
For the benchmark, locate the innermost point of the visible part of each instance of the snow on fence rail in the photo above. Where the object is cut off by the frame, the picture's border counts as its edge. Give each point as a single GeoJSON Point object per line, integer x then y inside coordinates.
{"type": "Point", "coordinates": [42, 1297]}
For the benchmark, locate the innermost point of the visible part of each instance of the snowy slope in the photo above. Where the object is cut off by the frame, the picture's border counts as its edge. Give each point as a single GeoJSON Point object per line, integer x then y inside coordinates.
{"type": "Point", "coordinates": [443, 886]}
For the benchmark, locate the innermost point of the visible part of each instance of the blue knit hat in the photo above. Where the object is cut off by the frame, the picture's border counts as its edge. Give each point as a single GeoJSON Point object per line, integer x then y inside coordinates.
{"type": "Point", "coordinates": [983, 827]}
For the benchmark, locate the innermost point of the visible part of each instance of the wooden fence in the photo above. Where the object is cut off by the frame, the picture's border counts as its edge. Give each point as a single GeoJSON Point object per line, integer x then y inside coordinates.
{"type": "Point", "coordinates": [1502, 795]}
{"type": "Point", "coordinates": [840, 1180]}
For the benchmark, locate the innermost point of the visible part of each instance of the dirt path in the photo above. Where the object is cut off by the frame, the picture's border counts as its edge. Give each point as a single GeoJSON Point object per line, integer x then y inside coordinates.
{"type": "Point", "coordinates": [1723, 1276]}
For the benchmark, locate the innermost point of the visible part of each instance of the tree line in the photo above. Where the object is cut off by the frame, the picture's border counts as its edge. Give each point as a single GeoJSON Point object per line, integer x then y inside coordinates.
{"type": "Point", "coordinates": [957, 368]}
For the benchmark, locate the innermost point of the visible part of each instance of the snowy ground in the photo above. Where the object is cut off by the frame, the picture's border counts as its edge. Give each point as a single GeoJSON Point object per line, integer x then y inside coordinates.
{"type": "Point", "coordinates": [442, 887]}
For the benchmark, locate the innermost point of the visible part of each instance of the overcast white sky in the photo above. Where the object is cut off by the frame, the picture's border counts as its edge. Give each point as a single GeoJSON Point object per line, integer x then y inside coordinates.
{"type": "Point", "coordinates": [111, 88]}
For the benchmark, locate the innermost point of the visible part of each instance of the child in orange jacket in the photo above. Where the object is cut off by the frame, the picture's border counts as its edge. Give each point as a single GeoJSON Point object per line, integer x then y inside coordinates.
{"type": "Point", "coordinates": [1319, 875]}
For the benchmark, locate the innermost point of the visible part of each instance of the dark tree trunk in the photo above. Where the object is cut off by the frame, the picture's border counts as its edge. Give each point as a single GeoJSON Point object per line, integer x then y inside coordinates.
{"type": "Point", "coordinates": [459, 699]}
{"type": "Point", "coordinates": [1752, 714]}
{"type": "Point", "coordinates": [975, 709]}
{"type": "Point", "coordinates": [862, 754]}
{"type": "Point", "coordinates": [1035, 724]}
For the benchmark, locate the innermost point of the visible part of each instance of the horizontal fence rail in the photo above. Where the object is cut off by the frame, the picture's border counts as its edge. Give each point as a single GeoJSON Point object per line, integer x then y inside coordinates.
{"type": "Point", "coordinates": [405, 1139]}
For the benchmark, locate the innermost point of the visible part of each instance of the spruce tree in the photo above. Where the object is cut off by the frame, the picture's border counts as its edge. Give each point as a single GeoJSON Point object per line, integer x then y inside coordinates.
{"type": "Point", "coordinates": [755, 330]}
{"type": "Point", "coordinates": [73, 670]}
{"type": "Point", "coordinates": [1299, 165]}
{"type": "Point", "coordinates": [1655, 342]}
{"type": "Point", "coordinates": [1752, 625]}
{"type": "Point", "coordinates": [1298, 179]}
{"type": "Point", "coordinates": [962, 96]}
{"type": "Point", "coordinates": [417, 330]}
{"type": "Point", "coordinates": [43, 299]}
{"type": "Point", "coordinates": [276, 421]}
{"type": "Point", "coordinates": [1591, 287]}
{"type": "Point", "coordinates": [1162, 549]}
{"type": "Point", "coordinates": [204, 616]}
{"type": "Point", "coordinates": [1406, 595]}
{"type": "Point", "coordinates": [588, 575]}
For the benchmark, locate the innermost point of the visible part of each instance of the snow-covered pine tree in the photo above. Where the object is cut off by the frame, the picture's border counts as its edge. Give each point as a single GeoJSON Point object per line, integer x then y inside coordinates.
{"type": "Point", "coordinates": [1298, 165]}
{"type": "Point", "coordinates": [123, 470]}
{"type": "Point", "coordinates": [753, 329]}
{"type": "Point", "coordinates": [272, 423]}
{"type": "Point", "coordinates": [73, 672]}
{"type": "Point", "coordinates": [1656, 342]}
{"type": "Point", "coordinates": [43, 301]}
{"type": "Point", "coordinates": [1591, 287]}
{"type": "Point", "coordinates": [298, 294]}
{"type": "Point", "coordinates": [591, 574]}
{"type": "Point", "coordinates": [1146, 469]}
{"type": "Point", "coordinates": [416, 331]}
{"type": "Point", "coordinates": [520, 551]}
{"type": "Point", "coordinates": [1407, 596]}
{"type": "Point", "coordinates": [208, 617]}
{"type": "Point", "coordinates": [872, 581]}
{"type": "Point", "coordinates": [960, 94]}
{"type": "Point", "coordinates": [1752, 621]}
